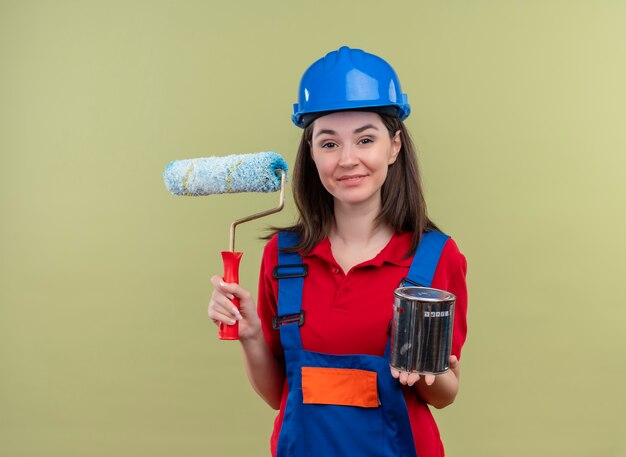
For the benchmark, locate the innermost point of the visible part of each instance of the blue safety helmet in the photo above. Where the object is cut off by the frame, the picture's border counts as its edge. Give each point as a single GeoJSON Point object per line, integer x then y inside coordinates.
{"type": "Point", "coordinates": [349, 79]}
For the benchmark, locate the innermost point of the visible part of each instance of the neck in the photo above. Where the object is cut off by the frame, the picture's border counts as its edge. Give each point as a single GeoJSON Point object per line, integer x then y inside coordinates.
{"type": "Point", "coordinates": [357, 225]}
{"type": "Point", "coordinates": [355, 237]}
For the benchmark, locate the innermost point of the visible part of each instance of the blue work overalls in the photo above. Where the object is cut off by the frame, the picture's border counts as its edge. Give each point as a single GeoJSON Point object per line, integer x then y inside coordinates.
{"type": "Point", "coordinates": [321, 417]}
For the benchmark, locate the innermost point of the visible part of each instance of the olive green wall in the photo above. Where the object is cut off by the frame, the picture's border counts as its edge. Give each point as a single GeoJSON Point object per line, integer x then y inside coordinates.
{"type": "Point", "coordinates": [519, 115]}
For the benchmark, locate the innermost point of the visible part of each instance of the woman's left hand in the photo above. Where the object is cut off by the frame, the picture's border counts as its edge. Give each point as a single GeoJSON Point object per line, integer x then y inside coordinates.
{"type": "Point", "coordinates": [409, 379]}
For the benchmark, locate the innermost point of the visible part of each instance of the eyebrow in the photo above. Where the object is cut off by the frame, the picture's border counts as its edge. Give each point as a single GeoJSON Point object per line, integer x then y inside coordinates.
{"type": "Point", "coordinates": [359, 130]}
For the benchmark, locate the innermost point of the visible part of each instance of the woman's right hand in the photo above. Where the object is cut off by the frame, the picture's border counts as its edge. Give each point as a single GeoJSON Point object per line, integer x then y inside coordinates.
{"type": "Point", "coordinates": [221, 308]}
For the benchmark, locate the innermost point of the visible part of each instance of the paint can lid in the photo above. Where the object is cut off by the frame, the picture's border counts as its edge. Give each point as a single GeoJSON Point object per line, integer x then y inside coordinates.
{"type": "Point", "coordinates": [424, 294]}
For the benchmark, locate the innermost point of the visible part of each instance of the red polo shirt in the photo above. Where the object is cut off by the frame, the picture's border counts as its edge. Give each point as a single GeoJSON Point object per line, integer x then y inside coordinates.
{"type": "Point", "coordinates": [349, 313]}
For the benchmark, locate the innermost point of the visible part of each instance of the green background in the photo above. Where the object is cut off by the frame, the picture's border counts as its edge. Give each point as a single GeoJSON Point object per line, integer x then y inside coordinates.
{"type": "Point", "coordinates": [519, 113]}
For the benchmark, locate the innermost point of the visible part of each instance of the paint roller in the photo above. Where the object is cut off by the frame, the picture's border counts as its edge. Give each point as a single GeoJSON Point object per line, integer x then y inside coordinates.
{"type": "Point", "coordinates": [257, 172]}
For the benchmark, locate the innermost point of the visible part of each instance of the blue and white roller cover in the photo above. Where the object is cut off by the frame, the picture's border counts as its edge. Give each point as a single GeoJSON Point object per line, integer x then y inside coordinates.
{"type": "Point", "coordinates": [257, 172]}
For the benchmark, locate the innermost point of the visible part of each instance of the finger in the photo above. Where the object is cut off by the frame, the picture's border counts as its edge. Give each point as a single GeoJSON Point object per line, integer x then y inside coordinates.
{"type": "Point", "coordinates": [455, 366]}
{"type": "Point", "coordinates": [242, 298]}
{"type": "Point", "coordinates": [412, 379]}
{"type": "Point", "coordinates": [222, 287]}
{"type": "Point", "coordinates": [429, 379]}
{"type": "Point", "coordinates": [220, 304]}
{"type": "Point", "coordinates": [395, 373]}
{"type": "Point", "coordinates": [218, 317]}
{"type": "Point", "coordinates": [404, 377]}
{"type": "Point", "coordinates": [234, 291]}
{"type": "Point", "coordinates": [230, 289]}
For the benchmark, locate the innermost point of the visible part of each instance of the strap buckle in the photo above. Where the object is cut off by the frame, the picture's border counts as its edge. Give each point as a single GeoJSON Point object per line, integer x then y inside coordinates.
{"type": "Point", "coordinates": [277, 321]}
{"type": "Point", "coordinates": [406, 282]}
{"type": "Point", "coordinates": [291, 270]}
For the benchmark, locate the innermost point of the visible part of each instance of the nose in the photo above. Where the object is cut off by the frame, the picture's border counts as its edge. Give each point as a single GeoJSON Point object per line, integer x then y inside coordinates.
{"type": "Point", "coordinates": [348, 157]}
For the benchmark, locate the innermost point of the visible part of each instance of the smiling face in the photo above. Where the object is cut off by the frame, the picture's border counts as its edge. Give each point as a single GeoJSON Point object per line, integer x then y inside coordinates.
{"type": "Point", "coordinates": [352, 151]}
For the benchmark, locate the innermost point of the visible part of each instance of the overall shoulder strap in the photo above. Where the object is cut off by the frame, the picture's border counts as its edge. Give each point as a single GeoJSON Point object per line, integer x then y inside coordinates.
{"type": "Point", "coordinates": [426, 258]}
{"type": "Point", "coordinates": [290, 273]}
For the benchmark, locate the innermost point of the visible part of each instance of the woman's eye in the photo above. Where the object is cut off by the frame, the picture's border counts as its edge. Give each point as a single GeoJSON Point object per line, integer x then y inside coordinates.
{"type": "Point", "coordinates": [328, 145]}
{"type": "Point", "coordinates": [366, 140]}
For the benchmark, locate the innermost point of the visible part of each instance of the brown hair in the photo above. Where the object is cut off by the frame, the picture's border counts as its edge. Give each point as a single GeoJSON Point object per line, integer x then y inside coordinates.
{"type": "Point", "coordinates": [403, 204]}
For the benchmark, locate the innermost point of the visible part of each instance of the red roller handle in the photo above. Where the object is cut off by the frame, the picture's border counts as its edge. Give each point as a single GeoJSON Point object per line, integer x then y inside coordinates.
{"type": "Point", "coordinates": [231, 275]}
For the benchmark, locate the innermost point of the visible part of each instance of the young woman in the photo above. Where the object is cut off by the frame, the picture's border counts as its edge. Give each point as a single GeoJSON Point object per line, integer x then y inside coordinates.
{"type": "Point", "coordinates": [316, 347]}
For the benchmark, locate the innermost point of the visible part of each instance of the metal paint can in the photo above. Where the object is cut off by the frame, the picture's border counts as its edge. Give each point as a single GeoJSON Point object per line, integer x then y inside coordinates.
{"type": "Point", "coordinates": [421, 330]}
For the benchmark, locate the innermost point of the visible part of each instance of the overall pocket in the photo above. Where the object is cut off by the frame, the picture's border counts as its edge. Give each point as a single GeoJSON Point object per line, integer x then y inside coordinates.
{"type": "Point", "coordinates": [342, 413]}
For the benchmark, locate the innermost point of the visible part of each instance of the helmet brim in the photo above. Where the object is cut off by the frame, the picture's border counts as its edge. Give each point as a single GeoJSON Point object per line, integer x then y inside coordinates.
{"type": "Point", "coordinates": [306, 119]}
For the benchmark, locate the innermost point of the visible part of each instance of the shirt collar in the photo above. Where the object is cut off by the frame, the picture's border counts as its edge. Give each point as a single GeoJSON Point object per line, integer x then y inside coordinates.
{"type": "Point", "coordinates": [393, 253]}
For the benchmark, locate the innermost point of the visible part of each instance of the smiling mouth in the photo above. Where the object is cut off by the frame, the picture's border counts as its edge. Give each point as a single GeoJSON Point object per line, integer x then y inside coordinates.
{"type": "Point", "coordinates": [351, 178]}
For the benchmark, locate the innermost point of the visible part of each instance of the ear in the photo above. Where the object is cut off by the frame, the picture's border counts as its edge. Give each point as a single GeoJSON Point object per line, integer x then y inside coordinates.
{"type": "Point", "coordinates": [396, 146]}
